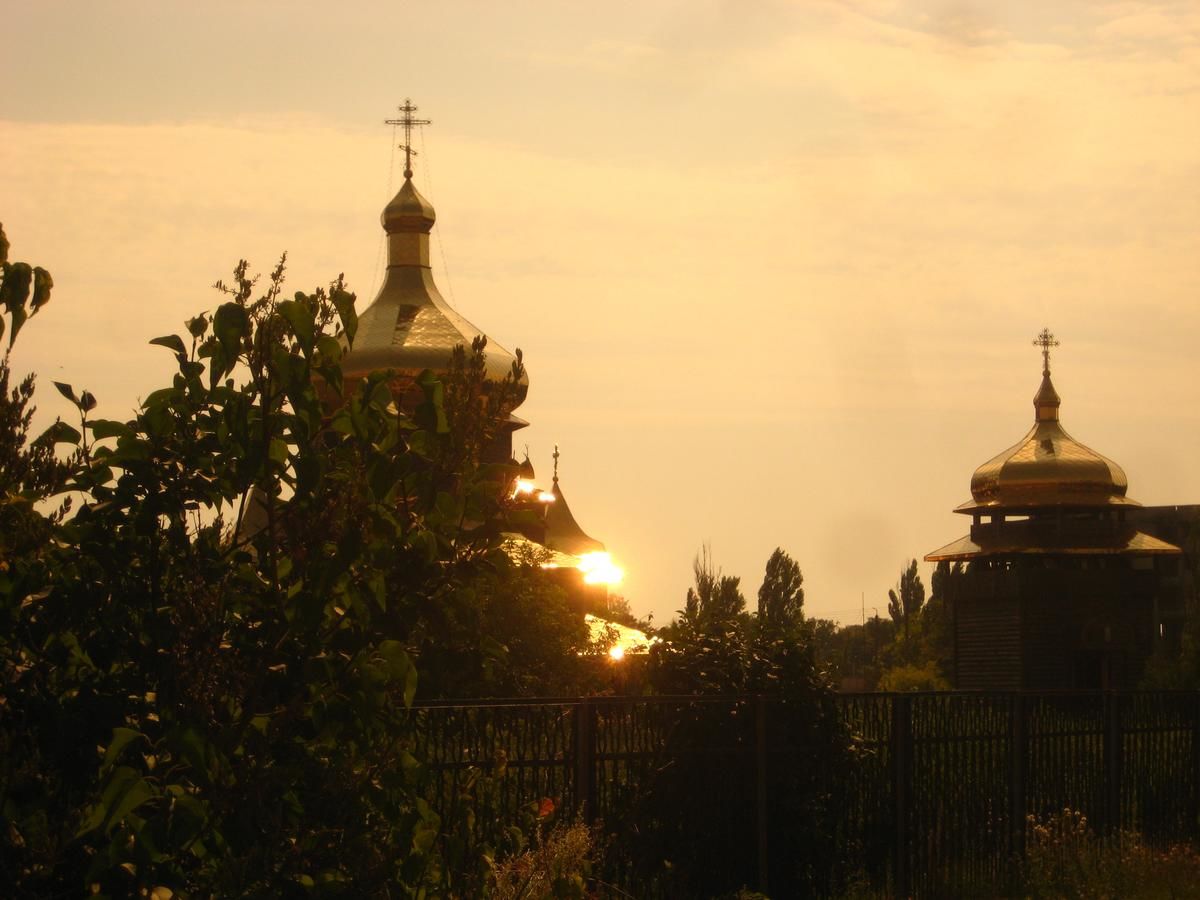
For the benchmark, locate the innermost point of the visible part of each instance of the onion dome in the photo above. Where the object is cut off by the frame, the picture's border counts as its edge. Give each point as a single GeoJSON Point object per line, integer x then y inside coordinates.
{"type": "Point", "coordinates": [409, 327]}
{"type": "Point", "coordinates": [1047, 467]}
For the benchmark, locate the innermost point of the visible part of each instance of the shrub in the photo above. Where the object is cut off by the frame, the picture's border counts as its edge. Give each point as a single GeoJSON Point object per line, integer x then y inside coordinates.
{"type": "Point", "coordinates": [1066, 858]}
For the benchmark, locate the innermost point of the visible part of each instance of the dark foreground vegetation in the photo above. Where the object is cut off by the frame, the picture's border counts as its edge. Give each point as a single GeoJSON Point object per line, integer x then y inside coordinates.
{"type": "Point", "coordinates": [198, 709]}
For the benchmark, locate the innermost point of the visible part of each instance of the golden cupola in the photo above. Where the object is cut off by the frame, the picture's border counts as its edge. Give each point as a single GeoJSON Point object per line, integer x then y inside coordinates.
{"type": "Point", "coordinates": [1049, 494]}
{"type": "Point", "coordinates": [409, 326]}
{"type": "Point", "coordinates": [1047, 467]}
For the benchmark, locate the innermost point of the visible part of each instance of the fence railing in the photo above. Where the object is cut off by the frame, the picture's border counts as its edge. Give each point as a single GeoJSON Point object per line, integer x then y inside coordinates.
{"type": "Point", "coordinates": [935, 801]}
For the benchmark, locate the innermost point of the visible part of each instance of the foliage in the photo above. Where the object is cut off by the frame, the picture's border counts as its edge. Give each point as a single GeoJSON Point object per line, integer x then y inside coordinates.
{"type": "Point", "coordinates": [710, 742]}
{"type": "Point", "coordinates": [924, 677]}
{"type": "Point", "coordinates": [916, 648]}
{"type": "Point", "coordinates": [781, 596]}
{"type": "Point", "coordinates": [28, 468]}
{"type": "Point", "coordinates": [208, 667]}
{"type": "Point", "coordinates": [1065, 858]}
{"type": "Point", "coordinates": [907, 598]}
{"type": "Point", "coordinates": [716, 602]}
{"type": "Point", "coordinates": [556, 865]}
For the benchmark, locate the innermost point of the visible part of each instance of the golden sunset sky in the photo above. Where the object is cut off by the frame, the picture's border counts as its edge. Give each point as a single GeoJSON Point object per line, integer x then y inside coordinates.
{"type": "Point", "coordinates": [776, 266]}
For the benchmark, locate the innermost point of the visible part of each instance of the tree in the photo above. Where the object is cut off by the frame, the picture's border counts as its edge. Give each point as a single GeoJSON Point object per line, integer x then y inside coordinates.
{"type": "Point", "coordinates": [907, 598]}
{"type": "Point", "coordinates": [781, 596]}
{"type": "Point", "coordinates": [715, 648]}
{"type": "Point", "coordinates": [224, 711]}
{"type": "Point", "coordinates": [29, 469]}
{"type": "Point", "coordinates": [716, 601]}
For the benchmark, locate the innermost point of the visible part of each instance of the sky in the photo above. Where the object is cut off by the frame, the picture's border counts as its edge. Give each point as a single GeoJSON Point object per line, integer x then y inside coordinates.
{"type": "Point", "coordinates": [776, 265]}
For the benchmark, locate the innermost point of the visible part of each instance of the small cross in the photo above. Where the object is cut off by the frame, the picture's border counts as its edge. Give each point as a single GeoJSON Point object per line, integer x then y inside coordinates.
{"type": "Point", "coordinates": [407, 122]}
{"type": "Point", "coordinates": [556, 463]}
{"type": "Point", "coordinates": [1045, 340]}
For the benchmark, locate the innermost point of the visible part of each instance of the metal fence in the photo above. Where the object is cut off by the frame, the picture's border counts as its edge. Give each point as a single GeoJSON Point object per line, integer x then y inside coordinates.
{"type": "Point", "coordinates": [935, 802]}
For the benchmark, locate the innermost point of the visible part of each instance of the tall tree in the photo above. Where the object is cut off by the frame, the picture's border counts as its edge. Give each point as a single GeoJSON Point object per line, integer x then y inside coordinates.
{"type": "Point", "coordinates": [781, 596]}
{"type": "Point", "coordinates": [716, 601]}
{"type": "Point", "coordinates": [907, 598]}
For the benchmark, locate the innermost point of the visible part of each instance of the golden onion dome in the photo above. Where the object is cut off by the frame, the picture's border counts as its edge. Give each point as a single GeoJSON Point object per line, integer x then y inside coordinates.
{"type": "Point", "coordinates": [408, 211]}
{"type": "Point", "coordinates": [409, 326]}
{"type": "Point", "coordinates": [1047, 467]}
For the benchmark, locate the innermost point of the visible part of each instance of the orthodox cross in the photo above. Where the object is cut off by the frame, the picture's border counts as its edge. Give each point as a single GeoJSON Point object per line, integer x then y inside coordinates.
{"type": "Point", "coordinates": [1045, 340]}
{"type": "Point", "coordinates": [407, 122]}
{"type": "Point", "coordinates": [556, 463]}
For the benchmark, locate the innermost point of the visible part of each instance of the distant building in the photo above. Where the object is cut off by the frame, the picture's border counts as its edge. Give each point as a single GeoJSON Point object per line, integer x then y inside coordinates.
{"type": "Point", "coordinates": [1061, 587]}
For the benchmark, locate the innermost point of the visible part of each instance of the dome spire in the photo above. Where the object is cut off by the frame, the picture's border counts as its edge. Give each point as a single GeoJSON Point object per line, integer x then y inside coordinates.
{"type": "Point", "coordinates": [1045, 340]}
{"type": "Point", "coordinates": [1047, 401]}
{"type": "Point", "coordinates": [407, 121]}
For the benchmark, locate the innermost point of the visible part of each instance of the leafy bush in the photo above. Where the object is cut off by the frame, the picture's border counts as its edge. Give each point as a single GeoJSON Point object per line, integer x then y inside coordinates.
{"type": "Point", "coordinates": [198, 706]}
{"type": "Point", "coordinates": [925, 677]}
{"type": "Point", "coordinates": [1065, 858]}
{"type": "Point", "coordinates": [556, 865]}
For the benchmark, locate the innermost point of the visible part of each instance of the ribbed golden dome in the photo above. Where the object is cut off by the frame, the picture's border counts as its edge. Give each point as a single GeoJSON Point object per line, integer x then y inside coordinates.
{"type": "Point", "coordinates": [408, 211]}
{"type": "Point", "coordinates": [409, 326]}
{"type": "Point", "coordinates": [1047, 467]}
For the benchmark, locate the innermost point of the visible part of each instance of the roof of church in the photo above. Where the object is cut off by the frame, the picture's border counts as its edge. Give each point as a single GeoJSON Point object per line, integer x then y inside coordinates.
{"type": "Point", "coordinates": [1129, 541]}
{"type": "Point", "coordinates": [409, 326]}
{"type": "Point", "coordinates": [563, 532]}
{"type": "Point", "coordinates": [1047, 467]}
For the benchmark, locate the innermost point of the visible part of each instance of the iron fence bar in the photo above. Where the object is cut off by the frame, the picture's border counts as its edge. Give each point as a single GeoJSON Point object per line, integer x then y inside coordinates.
{"type": "Point", "coordinates": [1112, 761]}
{"type": "Point", "coordinates": [585, 759]}
{"type": "Point", "coordinates": [760, 747]}
{"type": "Point", "coordinates": [1018, 755]}
{"type": "Point", "coordinates": [901, 786]}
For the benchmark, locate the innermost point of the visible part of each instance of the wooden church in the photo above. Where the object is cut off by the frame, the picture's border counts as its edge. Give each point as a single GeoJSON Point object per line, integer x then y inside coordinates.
{"type": "Point", "coordinates": [1058, 589]}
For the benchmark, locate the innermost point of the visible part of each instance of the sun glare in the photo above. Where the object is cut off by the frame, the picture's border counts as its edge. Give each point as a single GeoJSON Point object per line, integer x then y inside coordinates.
{"type": "Point", "coordinates": [599, 568]}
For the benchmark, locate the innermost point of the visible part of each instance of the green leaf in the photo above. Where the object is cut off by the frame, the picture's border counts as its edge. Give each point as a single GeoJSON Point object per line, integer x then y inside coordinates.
{"type": "Point", "coordinates": [231, 323]}
{"type": "Point", "coordinates": [67, 391]}
{"type": "Point", "coordinates": [42, 283]}
{"type": "Point", "coordinates": [343, 302]}
{"type": "Point", "coordinates": [124, 792]}
{"type": "Point", "coordinates": [14, 290]}
{"type": "Point", "coordinates": [87, 401]}
{"type": "Point", "coordinates": [197, 326]}
{"type": "Point", "coordinates": [171, 342]}
{"type": "Point", "coordinates": [103, 429]}
{"type": "Point", "coordinates": [62, 433]}
{"type": "Point", "coordinates": [298, 314]}
{"type": "Point", "coordinates": [122, 738]}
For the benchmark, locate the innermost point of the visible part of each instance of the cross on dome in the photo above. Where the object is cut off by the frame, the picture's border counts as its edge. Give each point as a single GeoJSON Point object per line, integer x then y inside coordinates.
{"type": "Point", "coordinates": [407, 121]}
{"type": "Point", "coordinates": [1045, 340]}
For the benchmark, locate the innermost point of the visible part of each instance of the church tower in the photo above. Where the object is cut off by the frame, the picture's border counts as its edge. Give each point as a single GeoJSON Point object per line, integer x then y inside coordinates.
{"type": "Point", "coordinates": [1060, 589]}
{"type": "Point", "coordinates": [409, 327]}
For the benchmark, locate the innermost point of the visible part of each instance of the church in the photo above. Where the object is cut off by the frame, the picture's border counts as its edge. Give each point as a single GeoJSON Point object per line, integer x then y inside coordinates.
{"type": "Point", "coordinates": [1064, 581]}
{"type": "Point", "coordinates": [409, 328]}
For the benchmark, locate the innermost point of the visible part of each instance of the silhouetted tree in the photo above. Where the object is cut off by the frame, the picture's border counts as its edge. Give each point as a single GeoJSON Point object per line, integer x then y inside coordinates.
{"type": "Point", "coordinates": [907, 598]}
{"type": "Point", "coordinates": [781, 596]}
{"type": "Point", "coordinates": [715, 602]}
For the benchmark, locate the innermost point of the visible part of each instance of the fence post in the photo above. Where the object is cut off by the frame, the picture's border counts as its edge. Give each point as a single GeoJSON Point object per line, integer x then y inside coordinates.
{"type": "Point", "coordinates": [1112, 760]}
{"type": "Point", "coordinates": [585, 759]}
{"type": "Point", "coordinates": [901, 786]}
{"type": "Point", "coordinates": [1195, 780]}
{"type": "Point", "coordinates": [1019, 750]}
{"type": "Point", "coordinates": [760, 758]}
